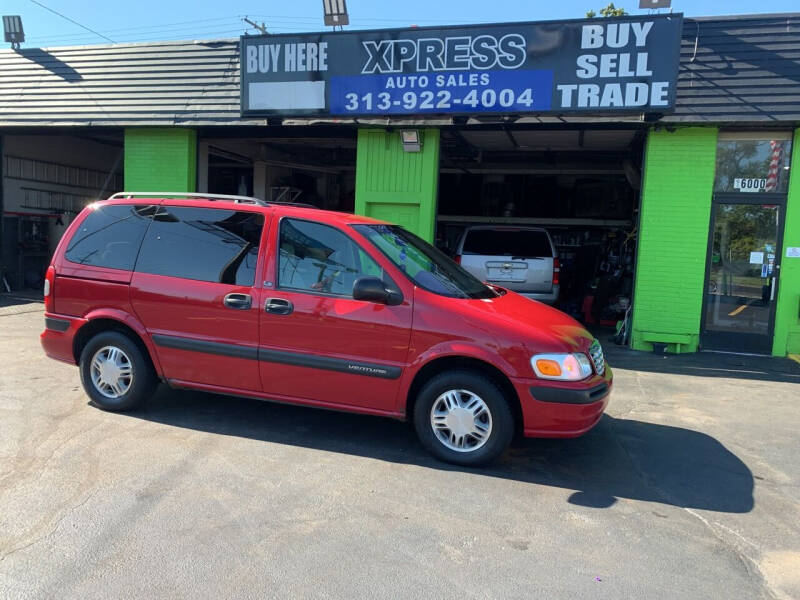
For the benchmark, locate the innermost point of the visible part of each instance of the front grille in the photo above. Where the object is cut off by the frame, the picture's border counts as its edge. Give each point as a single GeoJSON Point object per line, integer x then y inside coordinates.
{"type": "Point", "coordinates": [596, 354]}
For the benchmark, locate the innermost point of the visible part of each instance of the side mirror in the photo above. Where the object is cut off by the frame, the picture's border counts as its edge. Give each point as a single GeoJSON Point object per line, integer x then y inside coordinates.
{"type": "Point", "coordinates": [372, 289]}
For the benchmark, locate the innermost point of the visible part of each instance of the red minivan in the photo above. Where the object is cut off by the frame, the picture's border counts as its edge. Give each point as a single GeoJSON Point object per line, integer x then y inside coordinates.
{"type": "Point", "coordinates": [281, 302]}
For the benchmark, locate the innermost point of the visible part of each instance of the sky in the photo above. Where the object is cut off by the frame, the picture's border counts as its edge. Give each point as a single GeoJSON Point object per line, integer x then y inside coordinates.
{"type": "Point", "coordinates": [148, 20]}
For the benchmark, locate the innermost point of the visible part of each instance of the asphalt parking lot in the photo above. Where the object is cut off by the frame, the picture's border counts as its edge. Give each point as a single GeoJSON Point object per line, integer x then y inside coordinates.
{"type": "Point", "coordinates": [688, 488]}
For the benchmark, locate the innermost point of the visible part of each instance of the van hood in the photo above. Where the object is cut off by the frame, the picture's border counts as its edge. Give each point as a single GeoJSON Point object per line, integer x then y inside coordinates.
{"type": "Point", "coordinates": [542, 328]}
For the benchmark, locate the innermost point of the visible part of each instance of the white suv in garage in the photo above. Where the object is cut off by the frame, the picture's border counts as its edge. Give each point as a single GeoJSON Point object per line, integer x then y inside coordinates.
{"type": "Point", "coordinates": [521, 259]}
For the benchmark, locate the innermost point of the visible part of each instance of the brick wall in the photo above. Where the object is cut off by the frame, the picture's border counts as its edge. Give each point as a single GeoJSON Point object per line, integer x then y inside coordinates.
{"type": "Point", "coordinates": [398, 186]}
{"type": "Point", "coordinates": [787, 320]}
{"type": "Point", "coordinates": [673, 237]}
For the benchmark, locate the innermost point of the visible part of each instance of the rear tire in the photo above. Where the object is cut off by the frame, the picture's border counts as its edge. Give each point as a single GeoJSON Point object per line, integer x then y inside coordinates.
{"type": "Point", "coordinates": [115, 373]}
{"type": "Point", "coordinates": [463, 417]}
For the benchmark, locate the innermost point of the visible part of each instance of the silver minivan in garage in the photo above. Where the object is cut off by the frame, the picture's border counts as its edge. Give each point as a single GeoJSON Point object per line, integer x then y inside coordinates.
{"type": "Point", "coordinates": [522, 259]}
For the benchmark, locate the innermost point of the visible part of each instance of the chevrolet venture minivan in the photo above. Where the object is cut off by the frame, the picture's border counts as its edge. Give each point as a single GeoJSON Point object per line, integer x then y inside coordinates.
{"type": "Point", "coordinates": [281, 302]}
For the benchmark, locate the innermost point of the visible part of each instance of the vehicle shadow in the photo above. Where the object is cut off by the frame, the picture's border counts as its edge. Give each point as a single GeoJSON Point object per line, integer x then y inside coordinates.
{"type": "Point", "coordinates": [620, 458]}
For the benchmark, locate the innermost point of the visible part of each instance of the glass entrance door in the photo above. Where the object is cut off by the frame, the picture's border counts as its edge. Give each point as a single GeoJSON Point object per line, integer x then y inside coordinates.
{"type": "Point", "coordinates": [743, 264]}
{"type": "Point", "coordinates": [742, 274]}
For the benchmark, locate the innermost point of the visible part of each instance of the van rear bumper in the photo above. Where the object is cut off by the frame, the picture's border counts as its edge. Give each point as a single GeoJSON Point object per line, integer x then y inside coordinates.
{"type": "Point", "coordinates": [562, 410]}
{"type": "Point", "coordinates": [58, 336]}
{"type": "Point", "coordinates": [546, 297]}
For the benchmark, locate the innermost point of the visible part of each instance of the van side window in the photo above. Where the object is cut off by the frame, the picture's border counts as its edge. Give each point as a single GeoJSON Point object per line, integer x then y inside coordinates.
{"type": "Point", "coordinates": [318, 258]}
{"type": "Point", "coordinates": [204, 244]}
{"type": "Point", "coordinates": [110, 236]}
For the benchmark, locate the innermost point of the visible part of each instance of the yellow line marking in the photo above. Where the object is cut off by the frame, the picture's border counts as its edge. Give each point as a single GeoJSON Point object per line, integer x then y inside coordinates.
{"type": "Point", "coordinates": [795, 357]}
{"type": "Point", "coordinates": [736, 311]}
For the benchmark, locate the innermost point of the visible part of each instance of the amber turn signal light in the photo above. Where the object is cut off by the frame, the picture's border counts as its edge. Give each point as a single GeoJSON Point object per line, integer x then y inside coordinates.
{"type": "Point", "coordinates": [548, 367]}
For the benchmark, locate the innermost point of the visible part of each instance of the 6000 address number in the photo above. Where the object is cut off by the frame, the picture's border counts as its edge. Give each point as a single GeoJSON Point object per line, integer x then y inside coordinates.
{"type": "Point", "coordinates": [443, 99]}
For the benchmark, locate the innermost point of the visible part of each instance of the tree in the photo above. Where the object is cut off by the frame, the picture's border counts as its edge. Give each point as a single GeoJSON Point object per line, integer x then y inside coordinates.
{"type": "Point", "coordinates": [608, 11]}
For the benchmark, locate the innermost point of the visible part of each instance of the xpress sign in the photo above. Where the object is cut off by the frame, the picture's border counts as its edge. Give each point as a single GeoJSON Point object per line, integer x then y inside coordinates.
{"type": "Point", "coordinates": [593, 66]}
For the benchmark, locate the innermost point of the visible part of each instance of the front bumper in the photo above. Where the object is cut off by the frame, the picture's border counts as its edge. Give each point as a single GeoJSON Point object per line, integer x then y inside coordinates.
{"type": "Point", "coordinates": [563, 409]}
{"type": "Point", "coordinates": [58, 336]}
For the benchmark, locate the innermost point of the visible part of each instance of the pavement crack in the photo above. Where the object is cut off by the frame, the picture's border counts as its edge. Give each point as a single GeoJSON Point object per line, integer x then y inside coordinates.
{"type": "Point", "coordinates": [749, 564]}
{"type": "Point", "coordinates": [52, 530]}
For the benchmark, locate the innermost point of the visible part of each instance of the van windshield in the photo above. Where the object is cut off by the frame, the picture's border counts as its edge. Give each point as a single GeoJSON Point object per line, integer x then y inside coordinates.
{"type": "Point", "coordinates": [423, 264]}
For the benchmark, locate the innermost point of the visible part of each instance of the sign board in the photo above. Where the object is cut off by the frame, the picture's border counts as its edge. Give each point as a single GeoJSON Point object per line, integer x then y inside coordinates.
{"type": "Point", "coordinates": [591, 66]}
{"type": "Point", "coordinates": [750, 184]}
{"type": "Point", "coordinates": [644, 4]}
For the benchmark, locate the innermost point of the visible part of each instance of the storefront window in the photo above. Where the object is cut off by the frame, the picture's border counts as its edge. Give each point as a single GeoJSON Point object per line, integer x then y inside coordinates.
{"type": "Point", "coordinates": [753, 163]}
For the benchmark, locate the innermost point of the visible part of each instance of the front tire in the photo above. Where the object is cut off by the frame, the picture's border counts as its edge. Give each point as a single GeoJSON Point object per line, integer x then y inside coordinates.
{"type": "Point", "coordinates": [463, 417]}
{"type": "Point", "coordinates": [115, 373]}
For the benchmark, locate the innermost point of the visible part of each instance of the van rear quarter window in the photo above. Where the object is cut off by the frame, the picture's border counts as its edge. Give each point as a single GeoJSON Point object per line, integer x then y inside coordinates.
{"type": "Point", "coordinates": [204, 244]}
{"type": "Point", "coordinates": [110, 236]}
{"type": "Point", "coordinates": [507, 242]}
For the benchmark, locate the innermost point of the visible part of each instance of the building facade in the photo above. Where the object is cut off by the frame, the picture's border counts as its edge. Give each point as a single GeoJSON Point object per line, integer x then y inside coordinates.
{"type": "Point", "coordinates": [688, 207]}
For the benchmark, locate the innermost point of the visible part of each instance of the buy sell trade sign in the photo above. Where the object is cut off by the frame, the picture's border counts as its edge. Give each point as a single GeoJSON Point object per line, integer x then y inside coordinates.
{"type": "Point", "coordinates": [597, 66]}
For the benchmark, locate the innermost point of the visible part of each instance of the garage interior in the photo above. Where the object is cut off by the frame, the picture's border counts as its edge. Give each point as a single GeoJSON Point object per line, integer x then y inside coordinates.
{"type": "Point", "coordinates": [581, 185]}
{"type": "Point", "coordinates": [285, 167]}
{"type": "Point", "coordinates": [47, 180]}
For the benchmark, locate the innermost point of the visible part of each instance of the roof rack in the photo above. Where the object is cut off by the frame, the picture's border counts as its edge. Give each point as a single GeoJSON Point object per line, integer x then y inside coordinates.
{"type": "Point", "coordinates": [211, 197]}
{"type": "Point", "coordinates": [199, 196]}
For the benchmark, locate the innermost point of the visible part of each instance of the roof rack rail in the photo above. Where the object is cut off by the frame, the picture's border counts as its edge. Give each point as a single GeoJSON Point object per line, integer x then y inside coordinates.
{"type": "Point", "coordinates": [199, 196]}
{"type": "Point", "coordinates": [295, 204]}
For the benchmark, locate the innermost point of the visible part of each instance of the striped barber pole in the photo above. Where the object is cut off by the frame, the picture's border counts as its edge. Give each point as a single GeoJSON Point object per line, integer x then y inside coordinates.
{"type": "Point", "coordinates": [774, 163]}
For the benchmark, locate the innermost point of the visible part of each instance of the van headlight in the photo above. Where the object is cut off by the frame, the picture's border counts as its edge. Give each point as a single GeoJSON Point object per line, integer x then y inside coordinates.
{"type": "Point", "coordinates": [563, 367]}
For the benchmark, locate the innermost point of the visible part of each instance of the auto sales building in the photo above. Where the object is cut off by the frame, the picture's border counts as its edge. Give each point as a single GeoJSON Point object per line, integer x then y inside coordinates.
{"type": "Point", "coordinates": [660, 152]}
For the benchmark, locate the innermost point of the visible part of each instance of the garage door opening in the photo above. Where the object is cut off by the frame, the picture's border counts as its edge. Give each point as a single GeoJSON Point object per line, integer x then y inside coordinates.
{"type": "Point", "coordinates": [316, 168]}
{"type": "Point", "coordinates": [47, 180]}
{"type": "Point", "coordinates": [502, 190]}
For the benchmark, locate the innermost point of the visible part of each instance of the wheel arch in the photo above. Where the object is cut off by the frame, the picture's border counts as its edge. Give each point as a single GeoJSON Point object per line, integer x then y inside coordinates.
{"type": "Point", "coordinates": [103, 323]}
{"type": "Point", "coordinates": [459, 362]}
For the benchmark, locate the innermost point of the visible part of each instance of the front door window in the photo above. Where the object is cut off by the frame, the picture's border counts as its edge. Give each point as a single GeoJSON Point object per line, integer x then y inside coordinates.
{"type": "Point", "coordinates": [321, 259]}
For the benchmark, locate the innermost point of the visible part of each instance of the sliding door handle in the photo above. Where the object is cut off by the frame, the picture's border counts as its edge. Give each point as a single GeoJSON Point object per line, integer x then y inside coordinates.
{"type": "Point", "coordinates": [278, 306]}
{"type": "Point", "coordinates": [238, 301]}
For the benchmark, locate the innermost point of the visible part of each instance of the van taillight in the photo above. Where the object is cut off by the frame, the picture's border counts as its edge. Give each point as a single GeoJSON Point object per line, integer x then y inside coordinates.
{"type": "Point", "coordinates": [457, 258]}
{"type": "Point", "coordinates": [49, 290]}
{"type": "Point", "coordinates": [556, 270]}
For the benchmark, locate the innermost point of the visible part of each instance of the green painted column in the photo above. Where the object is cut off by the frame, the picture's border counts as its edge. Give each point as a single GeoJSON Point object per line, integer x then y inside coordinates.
{"type": "Point", "coordinates": [160, 160]}
{"type": "Point", "coordinates": [673, 237]}
{"type": "Point", "coordinates": [398, 186]}
{"type": "Point", "coordinates": [787, 321]}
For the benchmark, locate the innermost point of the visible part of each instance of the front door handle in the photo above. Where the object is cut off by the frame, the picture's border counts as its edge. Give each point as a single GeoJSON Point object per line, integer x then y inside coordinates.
{"type": "Point", "coordinates": [278, 306]}
{"type": "Point", "coordinates": [238, 301]}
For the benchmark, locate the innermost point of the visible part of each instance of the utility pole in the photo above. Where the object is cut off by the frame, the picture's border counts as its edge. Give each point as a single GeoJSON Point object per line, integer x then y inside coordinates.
{"type": "Point", "coordinates": [262, 28]}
